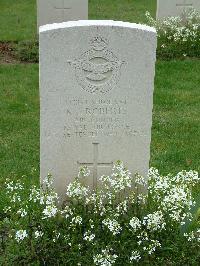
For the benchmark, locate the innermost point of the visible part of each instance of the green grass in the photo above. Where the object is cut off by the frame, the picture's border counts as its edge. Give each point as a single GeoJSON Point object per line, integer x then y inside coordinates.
{"type": "Point", "coordinates": [17, 20]}
{"type": "Point", "coordinates": [18, 17]}
{"type": "Point", "coordinates": [125, 10]}
{"type": "Point", "coordinates": [176, 121]}
{"type": "Point", "coordinates": [19, 123]}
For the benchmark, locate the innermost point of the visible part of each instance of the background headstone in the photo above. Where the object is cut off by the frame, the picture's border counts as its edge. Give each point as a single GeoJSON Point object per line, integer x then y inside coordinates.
{"type": "Point", "coordinates": [55, 11]}
{"type": "Point", "coordinates": [173, 8]}
{"type": "Point", "coordinates": [96, 89]}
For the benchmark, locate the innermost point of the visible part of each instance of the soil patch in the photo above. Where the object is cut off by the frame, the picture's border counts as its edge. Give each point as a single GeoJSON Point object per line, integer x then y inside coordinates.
{"type": "Point", "coordinates": [6, 53]}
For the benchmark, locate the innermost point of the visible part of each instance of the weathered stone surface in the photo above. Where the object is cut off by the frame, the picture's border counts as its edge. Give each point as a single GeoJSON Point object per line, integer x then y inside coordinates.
{"type": "Point", "coordinates": [55, 11]}
{"type": "Point", "coordinates": [173, 8]}
{"type": "Point", "coordinates": [96, 89]}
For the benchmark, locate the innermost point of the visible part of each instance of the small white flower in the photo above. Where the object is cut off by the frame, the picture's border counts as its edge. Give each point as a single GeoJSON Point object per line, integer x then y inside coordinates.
{"type": "Point", "coordinates": [135, 256]}
{"type": "Point", "coordinates": [88, 236]}
{"type": "Point", "coordinates": [34, 194]}
{"type": "Point", "coordinates": [38, 234]}
{"type": "Point", "coordinates": [152, 246]}
{"type": "Point", "coordinates": [21, 235]}
{"type": "Point", "coordinates": [67, 212]}
{"type": "Point", "coordinates": [76, 221]}
{"type": "Point", "coordinates": [135, 224]}
{"type": "Point", "coordinates": [105, 258]}
{"type": "Point", "coordinates": [57, 235]}
{"type": "Point", "coordinates": [112, 225]}
{"type": "Point", "coordinates": [83, 172]}
{"type": "Point", "coordinates": [77, 190]}
{"type": "Point", "coordinates": [7, 209]}
{"type": "Point", "coordinates": [140, 180]}
{"type": "Point", "coordinates": [48, 181]}
{"type": "Point", "coordinates": [15, 198]}
{"type": "Point", "coordinates": [50, 211]}
{"type": "Point", "coordinates": [154, 221]}
{"type": "Point", "coordinates": [22, 212]}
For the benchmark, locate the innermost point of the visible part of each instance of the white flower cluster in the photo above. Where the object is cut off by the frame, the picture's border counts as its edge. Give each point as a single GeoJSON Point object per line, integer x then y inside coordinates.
{"type": "Point", "coordinates": [122, 208]}
{"type": "Point", "coordinates": [13, 189]}
{"type": "Point", "coordinates": [193, 235]}
{"type": "Point", "coordinates": [140, 180]}
{"type": "Point", "coordinates": [88, 236]}
{"type": "Point", "coordinates": [50, 211]}
{"type": "Point", "coordinates": [151, 248]}
{"type": "Point", "coordinates": [50, 200]}
{"type": "Point", "coordinates": [67, 212]}
{"type": "Point", "coordinates": [48, 197]}
{"type": "Point", "coordinates": [22, 212]}
{"type": "Point", "coordinates": [112, 225]}
{"type": "Point", "coordinates": [105, 258]}
{"type": "Point", "coordinates": [12, 186]}
{"type": "Point", "coordinates": [154, 221]}
{"type": "Point", "coordinates": [77, 220]}
{"type": "Point", "coordinates": [48, 181]}
{"type": "Point", "coordinates": [77, 190]}
{"type": "Point", "coordinates": [119, 180]}
{"type": "Point", "coordinates": [142, 237]}
{"type": "Point", "coordinates": [135, 224]}
{"type": "Point", "coordinates": [173, 194]}
{"type": "Point", "coordinates": [34, 194]}
{"type": "Point", "coordinates": [135, 256]}
{"type": "Point", "coordinates": [141, 199]}
{"type": "Point", "coordinates": [113, 208]}
{"type": "Point", "coordinates": [15, 198]}
{"type": "Point", "coordinates": [178, 29]}
{"type": "Point", "coordinates": [97, 200]}
{"type": "Point", "coordinates": [83, 172]}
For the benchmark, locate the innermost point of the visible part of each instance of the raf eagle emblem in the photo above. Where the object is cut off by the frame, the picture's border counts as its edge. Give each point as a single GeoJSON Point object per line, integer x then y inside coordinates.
{"type": "Point", "coordinates": [98, 69]}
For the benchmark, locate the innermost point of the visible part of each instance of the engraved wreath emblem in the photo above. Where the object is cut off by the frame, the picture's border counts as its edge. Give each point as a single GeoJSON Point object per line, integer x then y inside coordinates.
{"type": "Point", "coordinates": [98, 69]}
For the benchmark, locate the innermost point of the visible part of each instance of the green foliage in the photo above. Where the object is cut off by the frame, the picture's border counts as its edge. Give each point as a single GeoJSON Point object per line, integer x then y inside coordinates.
{"type": "Point", "coordinates": [178, 37]}
{"type": "Point", "coordinates": [114, 225]}
{"type": "Point", "coordinates": [27, 51]}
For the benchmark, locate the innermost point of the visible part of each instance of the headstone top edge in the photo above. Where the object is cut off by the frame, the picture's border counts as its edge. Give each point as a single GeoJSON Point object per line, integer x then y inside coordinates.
{"type": "Point", "coordinates": [81, 23]}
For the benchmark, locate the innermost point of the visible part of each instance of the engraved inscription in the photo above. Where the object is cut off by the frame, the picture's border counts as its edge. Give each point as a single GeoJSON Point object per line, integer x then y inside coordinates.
{"type": "Point", "coordinates": [98, 69]}
{"type": "Point", "coordinates": [99, 117]}
{"type": "Point", "coordinates": [95, 164]}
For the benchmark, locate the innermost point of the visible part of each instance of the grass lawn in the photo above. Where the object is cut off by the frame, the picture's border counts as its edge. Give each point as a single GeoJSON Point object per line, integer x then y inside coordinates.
{"type": "Point", "coordinates": [176, 121]}
{"type": "Point", "coordinates": [17, 20]}
{"type": "Point", "coordinates": [19, 123]}
{"type": "Point", "coordinates": [18, 17]}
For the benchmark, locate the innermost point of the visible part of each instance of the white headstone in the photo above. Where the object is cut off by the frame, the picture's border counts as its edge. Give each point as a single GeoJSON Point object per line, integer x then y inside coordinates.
{"type": "Point", "coordinates": [96, 89]}
{"type": "Point", "coordinates": [174, 8]}
{"type": "Point", "coordinates": [56, 11]}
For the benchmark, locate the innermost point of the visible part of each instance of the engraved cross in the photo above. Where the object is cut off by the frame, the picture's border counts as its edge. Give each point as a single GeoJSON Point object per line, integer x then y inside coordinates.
{"type": "Point", "coordinates": [95, 164]}
{"type": "Point", "coordinates": [63, 8]}
{"type": "Point", "coordinates": [185, 4]}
